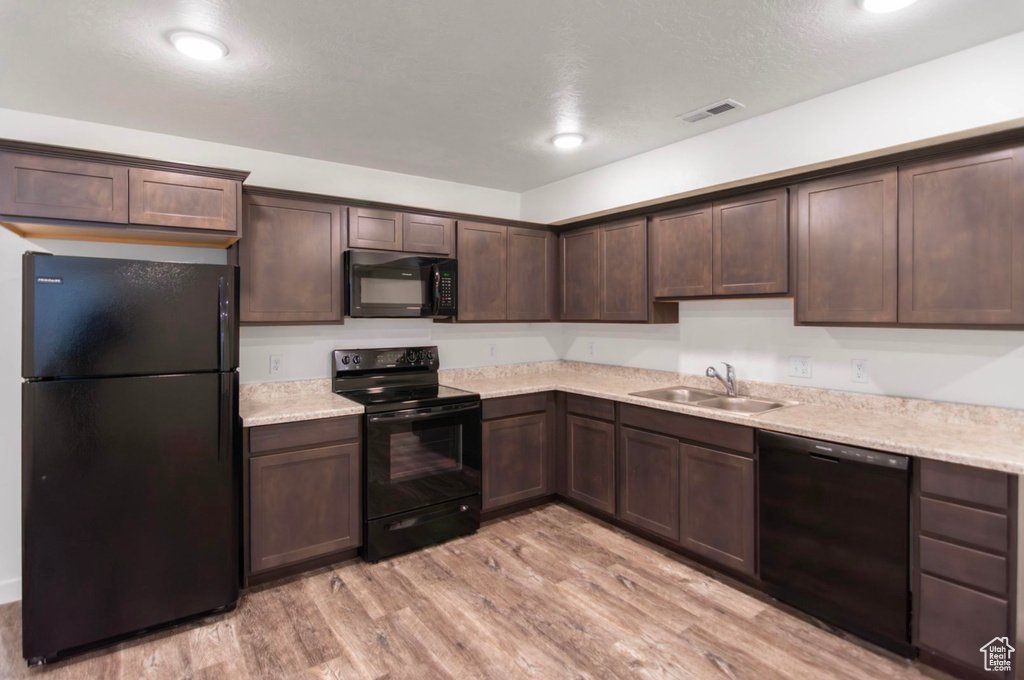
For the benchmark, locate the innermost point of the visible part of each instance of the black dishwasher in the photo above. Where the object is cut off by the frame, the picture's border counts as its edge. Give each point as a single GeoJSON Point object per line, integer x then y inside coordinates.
{"type": "Point", "coordinates": [835, 535]}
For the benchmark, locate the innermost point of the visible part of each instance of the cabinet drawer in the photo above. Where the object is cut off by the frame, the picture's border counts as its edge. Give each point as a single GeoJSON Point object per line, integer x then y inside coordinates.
{"type": "Point", "coordinates": [702, 430]}
{"type": "Point", "coordinates": [514, 406]}
{"type": "Point", "coordinates": [957, 621]}
{"type": "Point", "coordinates": [964, 483]}
{"type": "Point", "coordinates": [987, 530]}
{"type": "Point", "coordinates": [964, 565]}
{"type": "Point", "coordinates": [591, 407]}
{"type": "Point", "coordinates": [39, 186]}
{"type": "Point", "coordinates": [175, 199]}
{"type": "Point", "coordinates": [268, 438]}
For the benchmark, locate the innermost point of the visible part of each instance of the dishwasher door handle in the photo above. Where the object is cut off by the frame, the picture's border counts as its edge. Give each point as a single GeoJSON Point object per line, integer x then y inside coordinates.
{"type": "Point", "coordinates": [825, 459]}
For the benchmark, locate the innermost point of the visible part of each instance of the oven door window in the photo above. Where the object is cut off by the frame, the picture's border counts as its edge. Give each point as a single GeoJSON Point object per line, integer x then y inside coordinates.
{"type": "Point", "coordinates": [420, 457]}
{"type": "Point", "coordinates": [395, 290]}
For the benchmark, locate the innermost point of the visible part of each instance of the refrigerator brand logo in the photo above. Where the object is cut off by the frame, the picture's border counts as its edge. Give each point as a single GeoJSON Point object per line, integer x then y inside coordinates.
{"type": "Point", "coordinates": [49, 279]}
{"type": "Point", "coordinates": [997, 653]}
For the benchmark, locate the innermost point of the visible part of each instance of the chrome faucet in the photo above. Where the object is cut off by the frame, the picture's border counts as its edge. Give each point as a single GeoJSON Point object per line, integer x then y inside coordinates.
{"type": "Point", "coordinates": [729, 380]}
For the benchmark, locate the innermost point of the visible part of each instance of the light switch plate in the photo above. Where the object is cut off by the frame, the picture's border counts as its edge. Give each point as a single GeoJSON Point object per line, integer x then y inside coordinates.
{"type": "Point", "coordinates": [800, 367]}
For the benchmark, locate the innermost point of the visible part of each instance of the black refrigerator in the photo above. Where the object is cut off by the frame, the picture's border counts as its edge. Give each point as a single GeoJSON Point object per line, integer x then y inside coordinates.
{"type": "Point", "coordinates": [130, 449]}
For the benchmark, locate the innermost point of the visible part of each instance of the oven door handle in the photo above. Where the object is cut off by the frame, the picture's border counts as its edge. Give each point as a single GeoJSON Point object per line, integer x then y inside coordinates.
{"type": "Point", "coordinates": [422, 414]}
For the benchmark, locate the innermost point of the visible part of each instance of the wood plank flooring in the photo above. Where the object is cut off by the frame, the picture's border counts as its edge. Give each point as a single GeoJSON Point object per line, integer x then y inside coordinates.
{"type": "Point", "coordinates": [549, 593]}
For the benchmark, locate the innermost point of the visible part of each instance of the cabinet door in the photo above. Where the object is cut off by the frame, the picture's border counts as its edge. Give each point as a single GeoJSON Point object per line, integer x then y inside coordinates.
{"type": "Point", "coordinates": [624, 271]}
{"type": "Point", "coordinates": [581, 271]}
{"type": "Point", "coordinates": [680, 253]}
{"type": "Point", "coordinates": [716, 507]}
{"type": "Point", "coordinates": [175, 199]}
{"type": "Point", "coordinates": [483, 286]}
{"type": "Point", "coordinates": [591, 454]}
{"type": "Point", "coordinates": [428, 234]}
{"type": "Point", "coordinates": [649, 481]}
{"type": "Point", "coordinates": [515, 460]}
{"type": "Point", "coordinates": [290, 262]}
{"type": "Point", "coordinates": [532, 273]}
{"type": "Point", "coordinates": [846, 249]}
{"type": "Point", "coordinates": [304, 504]}
{"type": "Point", "coordinates": [750, 243]}
{"type": "Point", "coordinates": [379, 229]}
{"type": "Point", "coordinates": [39, 186]}
{"type": "Point", "coordinates": [961, 240]}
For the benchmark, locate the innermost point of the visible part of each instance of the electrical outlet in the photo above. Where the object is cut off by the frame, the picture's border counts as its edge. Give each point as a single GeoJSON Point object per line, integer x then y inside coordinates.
{"type": "Point", "coordinates": [591, 349]}
{"type": "Point", "coordinates": [276, 364]}
{"type": "Point", "coordinates": [492, 351]}
{"type": "Point", "coordinates": [800, 367]}
{"type": "Point", "coordinates": [859, 370]}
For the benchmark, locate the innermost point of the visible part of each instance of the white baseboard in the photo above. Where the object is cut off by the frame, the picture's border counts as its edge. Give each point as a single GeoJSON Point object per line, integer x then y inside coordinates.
{"type": "Point", "coordinates": [10, 590]}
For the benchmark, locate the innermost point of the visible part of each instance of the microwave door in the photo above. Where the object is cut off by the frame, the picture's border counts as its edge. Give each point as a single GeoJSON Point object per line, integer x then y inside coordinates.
{"type": "Point", "coordinates": [398, 290]}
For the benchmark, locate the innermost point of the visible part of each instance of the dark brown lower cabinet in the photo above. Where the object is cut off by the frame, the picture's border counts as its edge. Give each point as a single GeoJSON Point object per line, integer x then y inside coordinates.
{"type": "Point", "coordinates": [516, 461]}
{"type": "Point", "coordinates": [717, 515]}
{"type": "Point", "coordinates": [303, 492]}
{"type": "Point", "coordinates": [591, 462]}
{"type": "Point", "coordinates": [965, 565]}
{"type": "Point", "coordinates": [649, 481]}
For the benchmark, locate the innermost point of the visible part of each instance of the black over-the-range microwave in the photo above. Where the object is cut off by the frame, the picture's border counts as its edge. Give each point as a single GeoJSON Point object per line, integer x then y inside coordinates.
{"type": "Point", "coordinates": [399, 285]}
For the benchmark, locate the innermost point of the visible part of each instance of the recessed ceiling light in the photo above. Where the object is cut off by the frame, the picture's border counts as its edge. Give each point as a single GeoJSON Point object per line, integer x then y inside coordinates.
{"type": "Point", "coordinates": [198, 46]}
{"type": "Point", "coordinates": [568, 140]}
{"type": "Point", "coordinates": [882, 6]}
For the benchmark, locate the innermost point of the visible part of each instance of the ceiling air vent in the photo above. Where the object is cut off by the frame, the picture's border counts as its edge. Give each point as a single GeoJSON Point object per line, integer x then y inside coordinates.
{"type": "Point", "coordinates": [711, 110]}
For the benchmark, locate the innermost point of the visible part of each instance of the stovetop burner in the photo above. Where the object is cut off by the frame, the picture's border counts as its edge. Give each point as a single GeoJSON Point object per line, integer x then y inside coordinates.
{"type": "Point", "coordinates": [393, 379]}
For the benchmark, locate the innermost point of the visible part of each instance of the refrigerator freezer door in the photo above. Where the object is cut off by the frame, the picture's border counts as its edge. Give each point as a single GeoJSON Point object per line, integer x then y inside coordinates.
{"type": "Point", "coordinates": [130, 505]}
{"type": "Point", "coordinates": [93, 317]}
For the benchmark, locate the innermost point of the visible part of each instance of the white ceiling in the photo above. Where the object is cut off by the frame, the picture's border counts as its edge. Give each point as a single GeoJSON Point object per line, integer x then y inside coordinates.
{"type": "Point", "coordinates": [464, 90]}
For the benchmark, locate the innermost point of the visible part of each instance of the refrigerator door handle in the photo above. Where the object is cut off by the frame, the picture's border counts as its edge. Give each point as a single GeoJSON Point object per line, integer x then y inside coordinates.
{"type": "Point", "coordinates": [227, 413]}
{"type": "Point", "coordinates": [226, 338]}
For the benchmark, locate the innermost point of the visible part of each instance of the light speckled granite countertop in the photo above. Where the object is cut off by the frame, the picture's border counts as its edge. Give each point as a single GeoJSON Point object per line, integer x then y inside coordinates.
{"type": "Point", "coordinates": [973, 435]}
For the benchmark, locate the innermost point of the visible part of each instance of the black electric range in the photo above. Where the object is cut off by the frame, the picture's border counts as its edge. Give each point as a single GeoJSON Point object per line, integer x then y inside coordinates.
{"type": "Point", "coordinates": [421, 448]}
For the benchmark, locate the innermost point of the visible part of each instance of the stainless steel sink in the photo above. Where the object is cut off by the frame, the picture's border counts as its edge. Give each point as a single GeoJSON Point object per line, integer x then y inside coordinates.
{"type": "Point", "coordinates": [742, 404]}
{"type": "Point", "coordinates": [703, 399]}
{"type": "Point", "coordinates": [679, 395]}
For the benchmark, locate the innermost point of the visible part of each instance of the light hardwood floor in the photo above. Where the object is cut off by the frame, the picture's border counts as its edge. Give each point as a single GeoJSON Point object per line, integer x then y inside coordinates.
{"type": "Point", "coordinates": [549, 593]}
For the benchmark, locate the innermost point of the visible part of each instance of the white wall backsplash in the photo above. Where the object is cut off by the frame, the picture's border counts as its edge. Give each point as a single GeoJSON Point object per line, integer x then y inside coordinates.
{"type": "Point", "coordinates": [758, 337]}
{"type": "Point", "coordinates": [305, 350]}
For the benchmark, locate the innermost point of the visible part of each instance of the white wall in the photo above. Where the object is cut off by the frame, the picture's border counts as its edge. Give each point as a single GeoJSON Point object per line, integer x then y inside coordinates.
{"type": "Point", "coordinates": [758, 337]}
{"type": "Point", "coordinates": [976, 87]}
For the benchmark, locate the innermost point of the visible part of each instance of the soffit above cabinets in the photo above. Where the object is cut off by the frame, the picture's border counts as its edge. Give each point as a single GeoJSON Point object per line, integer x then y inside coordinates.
{"type": "Point", "coordinates": [469, 92]}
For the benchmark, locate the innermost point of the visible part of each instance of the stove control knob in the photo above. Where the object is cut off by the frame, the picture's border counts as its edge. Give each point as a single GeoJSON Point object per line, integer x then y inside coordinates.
{"type": "Point", "coordinates": [345, 360]}
{"type": "Point", "coordinates": [423, 355]}
{"type": "Point", "coordinates": [356, 359]}
{"type": "Point", "coordinates": [411, 356]}
{"type": "Point", "coordinates": [430, 355]}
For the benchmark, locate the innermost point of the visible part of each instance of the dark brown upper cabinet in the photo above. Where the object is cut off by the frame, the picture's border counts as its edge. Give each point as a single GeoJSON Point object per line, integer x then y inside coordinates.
{"type": "Point", "coordinates": [846, 246]}
{"type": "Point", "coordinates": [604, 276]}
{"type": "Point", "coordinates": [291, 261]}
{"type": "Point", "coordinates": [680, 253]}
{"type": "Point", "coordinates": [175, 199]}
{"type": "Point", "coordinates": [483, 280]}
{"type": "Point", "coordinates": [581, 275]}
{"type": "Point", "coordinates": [750, 244]}
{"type": "Point", "coordinates": [506, 273]}
{"type": "Point", "coordinates": [532, 275]}
{"type": "Point", "coordinates": [379, 229]}
{"type": "Point", "coordinates": [961, 240]}
{"type": "Point", "coordinates": [59, 192]}
{"type": "Point", "coordinates": [648, 481]}
{"type": "Point", "coordinates": [737, 247]}
{"type": "Point", "coordinates": [40, 186]}
{"type": "Point", "coordinates": [428, 234]}
{"type": "Point", "coordinates": [624, 271]}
